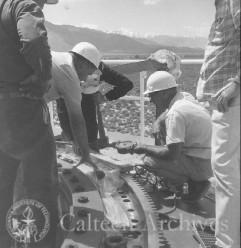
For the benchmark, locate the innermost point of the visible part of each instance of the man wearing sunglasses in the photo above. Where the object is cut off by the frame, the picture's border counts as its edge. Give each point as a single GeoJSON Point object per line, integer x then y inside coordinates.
{"type": "Point", "coordinates": [26, 137]}
{"type": "Point", "coordinates": [186, 155]}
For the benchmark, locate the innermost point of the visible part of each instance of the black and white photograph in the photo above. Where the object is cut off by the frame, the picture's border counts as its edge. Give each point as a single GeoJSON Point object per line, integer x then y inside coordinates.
{"type": "Point", "coordinates": [120, 124]}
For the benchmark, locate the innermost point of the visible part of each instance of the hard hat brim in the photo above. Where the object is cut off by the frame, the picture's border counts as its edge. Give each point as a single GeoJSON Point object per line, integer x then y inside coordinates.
{"type": "Point", "coordinates": [90, 89]}
{"type": "Point", "coordinates": [148, 91]}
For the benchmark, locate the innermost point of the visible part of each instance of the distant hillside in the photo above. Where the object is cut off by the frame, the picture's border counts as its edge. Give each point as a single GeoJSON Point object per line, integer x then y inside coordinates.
{"type": "Point", "coordinates": [64, 37]}
{"type": "Point", "coordinates": [178, 41]}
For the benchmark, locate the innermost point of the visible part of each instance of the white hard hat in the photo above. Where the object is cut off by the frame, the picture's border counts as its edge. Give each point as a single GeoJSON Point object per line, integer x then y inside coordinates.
{"type": "Point", "coordinates": [160, 80]}
{"type": "Point", "coordinates": [52, 1]}
{"type": "Point", "coordinates": [88, 51]}
{"type": "Point", "coordinates": [172, 60]}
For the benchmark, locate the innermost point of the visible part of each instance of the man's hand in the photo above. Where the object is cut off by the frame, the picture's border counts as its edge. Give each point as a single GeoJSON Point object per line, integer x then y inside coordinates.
{"type": "Point", "coordinates": [140, 148]}
{"type": "Point", "coordinates": [223, 97]}
{"type": "Point", "coordinates": [99, 173]}
{"type": "Point", "coordinates": [33, 87]}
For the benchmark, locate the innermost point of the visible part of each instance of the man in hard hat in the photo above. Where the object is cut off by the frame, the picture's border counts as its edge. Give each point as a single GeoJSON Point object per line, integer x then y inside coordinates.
{"type": "Point", "coordinates": [186, 156]}
{"type": "Point", "coordinates": [69, 74]}
{"type": "Point", "coordinates": [121, 85]}
{"type": "Point", "coordinates": [26, 137]}
{"type": "Point", "coordinates": [161, 60]}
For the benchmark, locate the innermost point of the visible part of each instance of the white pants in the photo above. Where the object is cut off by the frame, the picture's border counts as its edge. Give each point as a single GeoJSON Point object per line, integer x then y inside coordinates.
{"type": "Point", "coordinates": [226, 167]}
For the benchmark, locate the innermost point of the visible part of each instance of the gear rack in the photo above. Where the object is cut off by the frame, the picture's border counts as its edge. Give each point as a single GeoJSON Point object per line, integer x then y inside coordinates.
{"type": "Point", "coordinates": [149, 226]}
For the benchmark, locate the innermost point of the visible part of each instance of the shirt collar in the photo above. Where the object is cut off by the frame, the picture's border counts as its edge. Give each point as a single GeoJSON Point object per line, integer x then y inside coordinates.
{"type": "Point", "coordinates": [178, 96]}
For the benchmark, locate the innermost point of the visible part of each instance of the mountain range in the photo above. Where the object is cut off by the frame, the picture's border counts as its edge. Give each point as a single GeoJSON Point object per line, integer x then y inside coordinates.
{"type": "Point", "coordinates": [64, 37]}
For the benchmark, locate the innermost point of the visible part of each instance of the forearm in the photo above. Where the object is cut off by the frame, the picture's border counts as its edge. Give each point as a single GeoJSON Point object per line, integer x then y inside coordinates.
{"type": "Point", "coordinates": [132, 67]}
{"type": "Point", "coordinates": [80, 135]}
{"type": "Point", "coordinates": [119, 91]}
{"type": "Point", "coordinates": [160, 152]}
{"type": "Point", "coordinates": [122, 84]}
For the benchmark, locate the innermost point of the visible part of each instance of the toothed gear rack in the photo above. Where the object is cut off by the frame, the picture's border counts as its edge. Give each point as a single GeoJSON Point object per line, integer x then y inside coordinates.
{"type": "Point", "coordinates": [80, 196]}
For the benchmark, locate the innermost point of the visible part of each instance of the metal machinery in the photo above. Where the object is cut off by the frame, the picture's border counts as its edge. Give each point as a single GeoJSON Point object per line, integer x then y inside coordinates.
{"type": "Point", "coordinates": [158, 219]}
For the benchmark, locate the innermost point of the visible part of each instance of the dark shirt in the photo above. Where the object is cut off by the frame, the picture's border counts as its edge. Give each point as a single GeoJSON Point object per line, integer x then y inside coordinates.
{"type": "Point", "coordinates": [24, 48]}
{"type": "Point", "coordinates": [122, 86]}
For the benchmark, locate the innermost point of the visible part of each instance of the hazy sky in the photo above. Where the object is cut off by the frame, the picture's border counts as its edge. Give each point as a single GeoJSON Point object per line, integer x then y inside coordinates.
{"type": "Point", "coordinates": [171, 17]}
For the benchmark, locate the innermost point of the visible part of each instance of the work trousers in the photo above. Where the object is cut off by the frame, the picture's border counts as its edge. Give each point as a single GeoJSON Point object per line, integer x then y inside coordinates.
{"type": "Point", "coordinates": [27, 141]}
{"type": "Point", "coordinates": [226, 167]}
{"type": "Point", "coordinates": [89, 113]}
{"type": "Point", "coordinates": [181, 169]}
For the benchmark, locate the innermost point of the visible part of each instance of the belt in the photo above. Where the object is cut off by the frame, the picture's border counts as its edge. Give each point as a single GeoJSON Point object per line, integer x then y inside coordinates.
{"type": "Point", "coordinates": [6, 95]}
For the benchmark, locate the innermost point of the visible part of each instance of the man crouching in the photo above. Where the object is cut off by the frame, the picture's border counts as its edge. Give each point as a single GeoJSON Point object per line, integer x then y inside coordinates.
{"type": "Point", "coordinates": [186, 157]}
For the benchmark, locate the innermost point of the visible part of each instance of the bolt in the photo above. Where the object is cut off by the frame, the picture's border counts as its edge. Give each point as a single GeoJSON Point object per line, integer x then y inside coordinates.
{"type": "Point", "coordinates": [83, 213]}
{"type": "Point", "coordinates": [72, 246]}
{"type": "Point", "coordinates": [83, 199]}
{"type": "Point", "coordinates": [116, 241]}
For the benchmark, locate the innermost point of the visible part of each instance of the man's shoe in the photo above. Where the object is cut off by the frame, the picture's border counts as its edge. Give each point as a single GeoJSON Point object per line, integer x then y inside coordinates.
{"type": "Point", "coordinates": [197, 190]}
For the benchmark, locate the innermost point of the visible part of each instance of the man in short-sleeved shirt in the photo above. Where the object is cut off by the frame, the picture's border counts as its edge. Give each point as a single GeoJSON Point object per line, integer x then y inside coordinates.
{"type": "Point", "coordinates": [121, 85]}
{"type": "Point", "coordinates": [186, 157]}
{"type": "Point", "coordinates": [189, 123]}
{"type": "Point", "coordinates": [68, 71]}
{"type": "Point", "coordinates": [65, 82]}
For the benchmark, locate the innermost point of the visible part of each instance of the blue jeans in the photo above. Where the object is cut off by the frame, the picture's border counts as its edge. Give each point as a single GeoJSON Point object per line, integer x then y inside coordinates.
{"type": "Point", "coordinates": [26, 140]}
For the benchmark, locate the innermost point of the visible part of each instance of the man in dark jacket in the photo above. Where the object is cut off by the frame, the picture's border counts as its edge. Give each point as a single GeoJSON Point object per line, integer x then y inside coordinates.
{"type": "Point", "coordinates": [121, 86]}
{"type": "Point", "coordinates": [25, 130]}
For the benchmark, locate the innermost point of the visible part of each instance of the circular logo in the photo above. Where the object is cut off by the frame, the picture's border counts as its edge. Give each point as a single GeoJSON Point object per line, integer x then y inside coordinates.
{"type": "Point", "coordinates": [27, 221]}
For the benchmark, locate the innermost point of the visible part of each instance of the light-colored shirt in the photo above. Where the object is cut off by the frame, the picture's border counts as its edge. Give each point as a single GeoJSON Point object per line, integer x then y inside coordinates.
{"type": "Point", "coordinates": [222, 53]}
{"type": "Point", "coordinates": [65, 82]}
{"type": "Point", "coordinates": [188, 122]}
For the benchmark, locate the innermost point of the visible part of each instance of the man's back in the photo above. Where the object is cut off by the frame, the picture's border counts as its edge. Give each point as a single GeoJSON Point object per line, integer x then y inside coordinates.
{"type": "Point", "coordinates": [189, 122]}
{"type": "Point", "coordinates": [65, 82]}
